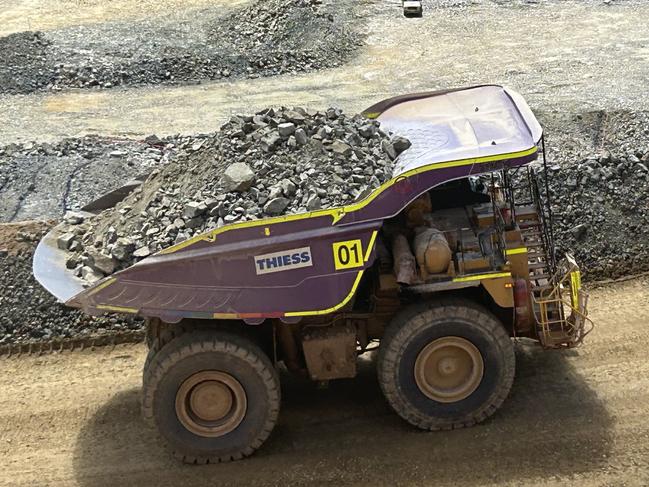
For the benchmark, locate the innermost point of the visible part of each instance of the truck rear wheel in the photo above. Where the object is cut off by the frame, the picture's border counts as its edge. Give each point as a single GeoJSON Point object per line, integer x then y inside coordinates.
{"type": "Point", "coordinates": [214, 396]}
{"type": "Point", "coordinates": [445, 365]}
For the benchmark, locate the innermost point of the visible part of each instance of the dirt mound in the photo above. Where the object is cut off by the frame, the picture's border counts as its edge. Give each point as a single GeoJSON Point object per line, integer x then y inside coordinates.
{"type": "Point", "coordinates": [276, 36]}
{"type": "Point", "coordinates": [45, 180]}
{"type": "Point", "coordinates": [600, 185]}
{"type": "Point", "coordinates": [268, 38]}
{"type": "Point", "coordinates": [601, 209]}
{"type": "Point", "coordinates": [24, 65]}
{"type": "Point", "coordinates": [16, 238]}
{"type": "Point", "coordinates": [27, 311]}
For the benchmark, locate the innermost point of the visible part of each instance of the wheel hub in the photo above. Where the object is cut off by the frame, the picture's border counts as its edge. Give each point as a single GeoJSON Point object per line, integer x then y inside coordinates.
{"type": "Point", "coordinates": [211, 403]}
{"type": "Point", "coordinates": [211, 400]}
{"type": "Point", "coordinates": [449, 369]}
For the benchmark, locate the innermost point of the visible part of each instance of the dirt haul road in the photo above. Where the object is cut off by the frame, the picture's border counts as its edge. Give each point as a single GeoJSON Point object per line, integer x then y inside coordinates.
{"type": "Point", "coordinates": [579, 417]}
{"type": "Point", "coordinates": [568, 56]}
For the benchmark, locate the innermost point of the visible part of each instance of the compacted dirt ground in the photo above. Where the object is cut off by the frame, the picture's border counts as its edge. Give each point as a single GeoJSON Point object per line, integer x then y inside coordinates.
{"type": "Point", "coordinates": [577, 417]}
{"type": "Point", "coordinates": [30, 15]}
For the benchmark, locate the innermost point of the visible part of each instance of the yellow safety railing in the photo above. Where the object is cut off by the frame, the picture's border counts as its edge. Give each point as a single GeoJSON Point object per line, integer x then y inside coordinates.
{"type": "Point", "coordinates": [563, 322]}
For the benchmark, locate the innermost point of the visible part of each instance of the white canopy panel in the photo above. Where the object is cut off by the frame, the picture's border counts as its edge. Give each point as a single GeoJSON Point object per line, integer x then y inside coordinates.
{"type": "Point", "coordinates": [471, 123]}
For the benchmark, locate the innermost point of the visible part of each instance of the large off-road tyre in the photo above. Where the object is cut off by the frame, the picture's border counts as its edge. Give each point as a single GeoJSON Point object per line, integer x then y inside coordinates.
{"type": "Point", "coordinates": [158, 339]}
{"type": "Point", "coordinates": [214, 396]}
{"type": "Point", "coordinates": [446, 364]}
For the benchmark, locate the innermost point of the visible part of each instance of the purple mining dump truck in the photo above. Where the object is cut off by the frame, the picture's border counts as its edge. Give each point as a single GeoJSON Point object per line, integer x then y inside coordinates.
{"type": "Point", "coordinates": [440, 266]}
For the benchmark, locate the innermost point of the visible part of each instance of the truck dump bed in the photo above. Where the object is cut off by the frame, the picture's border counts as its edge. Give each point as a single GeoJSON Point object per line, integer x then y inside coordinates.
{"type": "Point", "coordinates": [312, 263]}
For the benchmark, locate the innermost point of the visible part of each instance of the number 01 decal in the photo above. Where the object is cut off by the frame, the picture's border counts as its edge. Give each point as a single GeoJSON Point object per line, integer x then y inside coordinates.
{"type": "Point", "coordinates": [348, 254]}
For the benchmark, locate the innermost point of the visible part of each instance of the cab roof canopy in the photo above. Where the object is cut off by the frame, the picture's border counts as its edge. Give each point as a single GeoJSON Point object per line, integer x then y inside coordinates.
{"type": "Point", "coordinates": [460, 124]}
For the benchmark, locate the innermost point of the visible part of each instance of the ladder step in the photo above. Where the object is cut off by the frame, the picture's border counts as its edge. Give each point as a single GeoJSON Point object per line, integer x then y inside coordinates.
{"type": "Point", "coordinates": [525, 208]}
{"type": "Point", "coordinates": [537, 277]}
{"type": "Point", "coordinates": [536, 257]}
{"type": "Point", "coordinates": [529, 224]}
{"type": "Point", "coordinates": [542, 287]}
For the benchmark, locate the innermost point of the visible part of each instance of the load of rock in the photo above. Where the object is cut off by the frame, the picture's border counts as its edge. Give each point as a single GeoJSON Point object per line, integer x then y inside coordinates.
{"type": "Point", "coordinates": [276, 162]}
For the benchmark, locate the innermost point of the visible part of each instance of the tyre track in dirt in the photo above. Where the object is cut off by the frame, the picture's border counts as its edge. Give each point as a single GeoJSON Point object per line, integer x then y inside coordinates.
{"type": "Point", "coordinates": [30, 187]}
{"type": "Point", "coordinates": [579, 417]}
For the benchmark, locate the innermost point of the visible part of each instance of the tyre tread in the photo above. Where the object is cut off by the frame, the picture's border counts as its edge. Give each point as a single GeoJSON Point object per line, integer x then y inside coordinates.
{"type": "Point", "coordinates": [187, 344]}
{"type": "Point", "coordinates": [412, 319]}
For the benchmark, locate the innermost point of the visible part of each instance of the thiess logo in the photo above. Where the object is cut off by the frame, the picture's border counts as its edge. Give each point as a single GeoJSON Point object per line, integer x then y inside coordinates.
{"type": "Point", "coordinates": [283, 261]}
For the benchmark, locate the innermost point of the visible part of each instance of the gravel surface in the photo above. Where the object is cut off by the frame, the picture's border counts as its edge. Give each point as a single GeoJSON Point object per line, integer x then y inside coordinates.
{"type": "Point", "coordinates": [267, 38]}
{"type": "Point", "coordinates": [45, 180]}
{"type": "Point", "coordinates": [583, 413]}
{"type": "Point", "coordinates": [276, 162]}
{"type": "Point", "coordinates": [31, 313]}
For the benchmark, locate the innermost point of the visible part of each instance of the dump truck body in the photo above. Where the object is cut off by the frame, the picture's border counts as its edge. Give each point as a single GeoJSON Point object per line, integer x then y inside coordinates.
{"type": "Point", "coordinates": [440, 266]}
{"type": "Point", "coordinates": [250, 270]}
{"type": "Point", "coordinates": [412, 8]}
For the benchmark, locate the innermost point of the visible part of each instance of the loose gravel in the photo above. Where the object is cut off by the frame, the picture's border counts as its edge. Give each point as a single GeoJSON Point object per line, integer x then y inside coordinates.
{"type": "Point", "coordinates": [276, 162]}
{"type": "Point", "coordinates": [267, 38]}
{"type": "Point", "coordinates": [599, 182]}
{"type": "Point", "coordinates": [29, 312]}
{"type": "Point", "coordinates": [45, 180]}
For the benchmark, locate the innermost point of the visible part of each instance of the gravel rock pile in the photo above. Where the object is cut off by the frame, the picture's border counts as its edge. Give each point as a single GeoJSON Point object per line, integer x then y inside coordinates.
{"type": "Point", "coordinates": [22, 61]}
{"type": "Point", "coordinates": [601, 209]}
{"type": "Point", "coordinates": [276, 162]}
{"type": "Point", "coordinates": [28, 312]}
{"type": "Point", "coordinates": [266, 38]}
{"type": "Point", "coordinates": [287, 36]}
{"type": "Point", "coordinates": [42, 180]}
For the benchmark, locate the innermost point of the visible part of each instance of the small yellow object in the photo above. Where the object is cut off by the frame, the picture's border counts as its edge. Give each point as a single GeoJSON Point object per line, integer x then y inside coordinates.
{"type": "Point", "coordinates": [348, 254]}
{"type": "Point", "coordinates": [267, 231]}
{"type": "Point", "coordinates": [518, 250]}
{"type": "Point", "coordinates": [575, 287]}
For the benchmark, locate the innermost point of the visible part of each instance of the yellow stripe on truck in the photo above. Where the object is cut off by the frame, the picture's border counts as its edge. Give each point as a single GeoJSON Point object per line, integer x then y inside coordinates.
{"type": "Point", "coordinates": [333, 308]}
{"type": "Point", "coordinates": [117, 309]}
{"type": "Point", "coordinates": [517, 250]}
{"type": "Point", "coordinates": [480, 277]}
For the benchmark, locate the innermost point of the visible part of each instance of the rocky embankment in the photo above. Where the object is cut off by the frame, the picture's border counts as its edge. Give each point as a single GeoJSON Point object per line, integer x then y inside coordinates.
{"type": "Point", "coordinates": [265, 38]}
{"type": "Point", "coordinates": [27, 311]}
{"type": "Point", "coordinates": [601, 210]}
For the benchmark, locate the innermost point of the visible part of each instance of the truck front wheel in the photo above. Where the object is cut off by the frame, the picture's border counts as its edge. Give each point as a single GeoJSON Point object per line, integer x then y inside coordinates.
{"type": "Point", "coordinates": [446, 364]}
{"type": "Point", "coordinates": [213, 395]}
